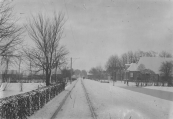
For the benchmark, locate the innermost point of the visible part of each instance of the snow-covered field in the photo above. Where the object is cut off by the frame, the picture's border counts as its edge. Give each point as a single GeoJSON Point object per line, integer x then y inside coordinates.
{"type": "Point", "coordinates": [15, 88]}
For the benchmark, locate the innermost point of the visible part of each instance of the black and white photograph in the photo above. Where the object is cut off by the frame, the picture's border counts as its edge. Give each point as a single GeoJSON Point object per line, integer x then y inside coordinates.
{"type": "Point", "coordinates": [86, 59]}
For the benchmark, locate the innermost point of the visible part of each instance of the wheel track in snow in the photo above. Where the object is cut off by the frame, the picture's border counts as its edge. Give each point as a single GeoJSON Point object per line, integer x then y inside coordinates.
{"type": "Point", "coordinates": [62, 103]}
{"type": "Point", "coordinates": [89, 101]}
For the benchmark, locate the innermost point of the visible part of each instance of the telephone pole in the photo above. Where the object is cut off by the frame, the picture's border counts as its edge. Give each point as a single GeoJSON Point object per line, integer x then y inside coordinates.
{"type": "Point", "coordinates": [71, 69]}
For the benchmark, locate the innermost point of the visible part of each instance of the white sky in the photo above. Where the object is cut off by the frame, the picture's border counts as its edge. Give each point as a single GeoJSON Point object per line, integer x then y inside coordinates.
{"type": "Point", "coordinates": [97, 29]}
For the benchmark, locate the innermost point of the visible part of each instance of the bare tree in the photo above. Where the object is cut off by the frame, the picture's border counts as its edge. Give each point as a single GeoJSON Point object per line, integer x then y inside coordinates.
{"type": "Point", "coordinates": [10, 32]}
{"type": "Point", "coordinates": [7, 60]}
{"type": "Point", "coordinates": [18, 61]}
{"type": "Point", "coordinates": [94, 72]}
{"type": "Point", "coordinates": [114, 62]}
{"type": "Point", "coordinates": [97, 72]}
{"type": "Point", "coordinates": [124, 59]}
{"type": "Point", "coordinates": [46, 33]}
{"type": "Point", "coordinates": [165, 54]}
{"type": "Point", "coordinates": [10, 35]}
{"type": "Point", "coordinates": [114, 66]}
{"type": "Point", "coordinates": [166, 72]}
{"type": "Point", "coordinates": [141, 67]}
{"type": "Point", "coordinates": [130, 56]}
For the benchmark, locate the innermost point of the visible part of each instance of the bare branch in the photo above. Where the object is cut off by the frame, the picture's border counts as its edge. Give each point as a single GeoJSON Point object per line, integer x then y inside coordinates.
{"type": "Point", "coordinates": [46, 33]}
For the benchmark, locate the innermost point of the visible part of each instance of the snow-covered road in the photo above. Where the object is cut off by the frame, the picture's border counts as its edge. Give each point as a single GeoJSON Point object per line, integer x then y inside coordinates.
{"type": "Point", "coordinates": [76, 105]}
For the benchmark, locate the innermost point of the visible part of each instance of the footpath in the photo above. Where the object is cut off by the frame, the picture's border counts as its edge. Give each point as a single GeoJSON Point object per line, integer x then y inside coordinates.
{"type": "Point", "coordinates": [51, 108]}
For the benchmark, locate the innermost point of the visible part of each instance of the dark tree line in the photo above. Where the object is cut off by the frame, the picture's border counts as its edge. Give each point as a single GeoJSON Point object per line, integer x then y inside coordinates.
{"type": "Point", "coordinates": [10, 36]}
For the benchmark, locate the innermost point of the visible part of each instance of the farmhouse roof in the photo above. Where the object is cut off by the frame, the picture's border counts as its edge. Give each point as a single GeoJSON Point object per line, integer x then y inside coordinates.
{"type": "Point", "coordinates": [132, 67]}
{"type": "Point", "coordinates": [153, 63]}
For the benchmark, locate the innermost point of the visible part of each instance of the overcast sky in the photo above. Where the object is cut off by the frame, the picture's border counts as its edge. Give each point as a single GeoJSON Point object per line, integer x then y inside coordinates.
{"type": "Point", "coordinates": [97, 29]}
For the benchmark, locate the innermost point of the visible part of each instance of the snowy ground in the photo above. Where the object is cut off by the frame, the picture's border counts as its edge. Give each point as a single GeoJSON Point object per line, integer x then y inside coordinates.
{"type": "Point", "coordinates": [132, 84]}
{"type": "Point", "coordinates": [109, 102]}
{"type": "Point", "coordinates": [15, 88]}
{"type": "Point", "coordinates": [114, 102]}
{"type": "Point", "coordinates": [170, 89]}
{"type": "Point", "coordinates": [76, 106]}
{"type": "Point", "coordinates": [50, 108]}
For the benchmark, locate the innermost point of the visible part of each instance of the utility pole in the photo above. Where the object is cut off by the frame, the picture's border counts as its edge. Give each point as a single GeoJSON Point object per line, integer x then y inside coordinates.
{"type": "Point", "coordinates": [71, 69]}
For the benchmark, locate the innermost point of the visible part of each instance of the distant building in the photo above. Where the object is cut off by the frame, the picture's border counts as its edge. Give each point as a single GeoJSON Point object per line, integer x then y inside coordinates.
{"type": "Point", "coordinates": [90, 76]}
{"type": "Point", "coordinates": [151, 63]}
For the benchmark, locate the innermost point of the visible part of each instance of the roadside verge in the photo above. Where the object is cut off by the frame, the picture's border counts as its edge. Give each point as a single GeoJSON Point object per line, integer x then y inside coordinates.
{"type": "Point", "coordinates": [52, 107]}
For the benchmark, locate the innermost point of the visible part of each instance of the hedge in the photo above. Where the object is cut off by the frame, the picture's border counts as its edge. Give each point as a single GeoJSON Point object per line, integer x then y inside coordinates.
{"type": "Point", "coordinates": [23, 105]}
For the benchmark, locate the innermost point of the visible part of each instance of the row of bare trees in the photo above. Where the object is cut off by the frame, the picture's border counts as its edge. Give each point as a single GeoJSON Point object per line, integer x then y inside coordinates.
{"type": "Point", "coordinates": [10, 35]}
{"type": "Point", "coordinates": [97, 72]}
{"type": "Point", "coordinates": [117, 64]}
{"type": "Point", "coordinates": [44, 31]}
{"type": "Point", "coordinates": [131, 57]}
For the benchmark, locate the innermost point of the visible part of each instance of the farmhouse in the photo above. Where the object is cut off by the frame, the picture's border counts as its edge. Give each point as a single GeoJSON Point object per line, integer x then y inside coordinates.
{"type": "Point", "coordinates": [151, 64]}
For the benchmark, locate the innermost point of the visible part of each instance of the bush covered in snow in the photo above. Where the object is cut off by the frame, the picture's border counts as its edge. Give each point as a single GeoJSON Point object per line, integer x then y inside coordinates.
{"type": "Point", "coordinates": [23, 105]}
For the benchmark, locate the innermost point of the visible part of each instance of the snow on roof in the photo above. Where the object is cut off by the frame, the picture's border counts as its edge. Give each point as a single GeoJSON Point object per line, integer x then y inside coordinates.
{"type": "Point", "coordinates": [133, 67]}
{"type": "Point", "coordinates": [153, 63]}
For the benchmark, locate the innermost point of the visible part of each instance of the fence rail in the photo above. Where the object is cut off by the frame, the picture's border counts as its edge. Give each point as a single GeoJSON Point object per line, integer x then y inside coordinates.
{"type": "Point", "coordinates": [23, 105]}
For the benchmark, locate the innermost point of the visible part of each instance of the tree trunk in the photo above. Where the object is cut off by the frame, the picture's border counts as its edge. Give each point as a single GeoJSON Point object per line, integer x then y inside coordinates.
{"type": "Point", "coordinates": [56, 74]}
{"type": "Point", "coordinates": [47, 77]}
{"type": "Point", "coordinates": [169, 81]}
